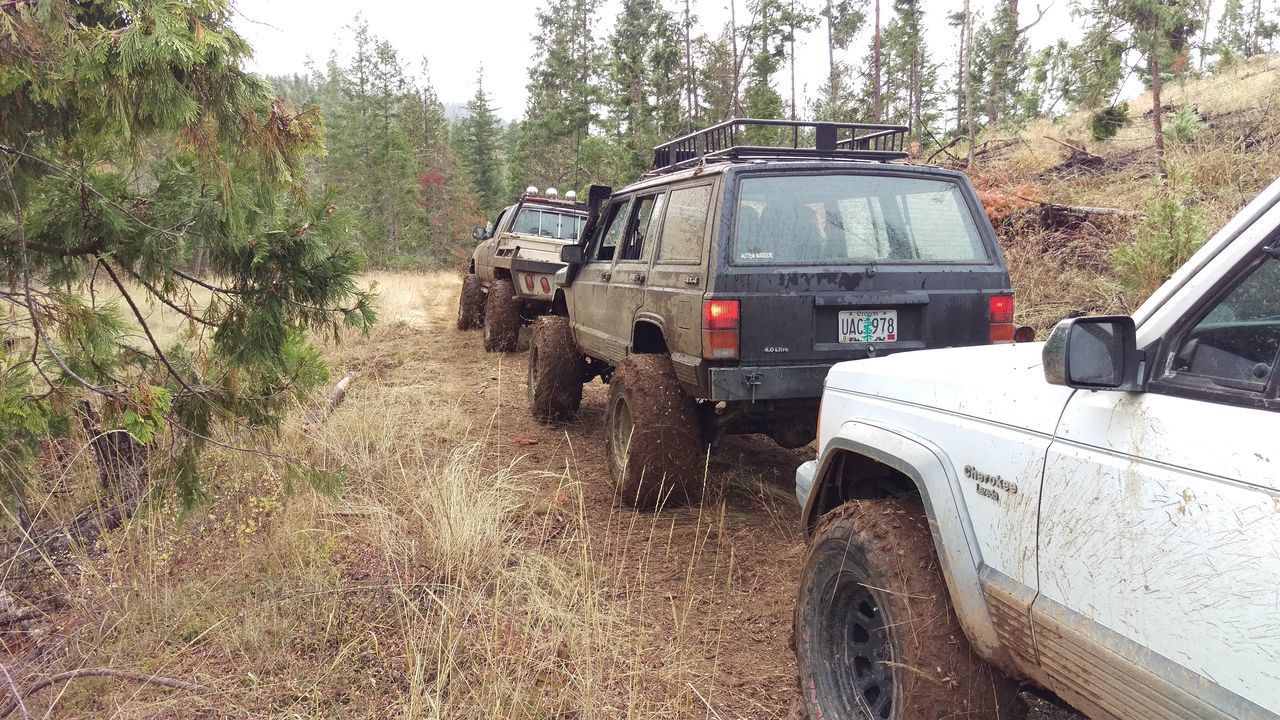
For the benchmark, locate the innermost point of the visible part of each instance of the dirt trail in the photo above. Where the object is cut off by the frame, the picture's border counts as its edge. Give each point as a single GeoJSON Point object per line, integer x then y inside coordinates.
{"type": "Point", "coordinates": [710, 587]}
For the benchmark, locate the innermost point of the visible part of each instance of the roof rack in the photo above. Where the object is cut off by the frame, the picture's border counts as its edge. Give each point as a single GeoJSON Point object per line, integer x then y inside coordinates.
{"type": "Point", "coordinates": [831, 141]}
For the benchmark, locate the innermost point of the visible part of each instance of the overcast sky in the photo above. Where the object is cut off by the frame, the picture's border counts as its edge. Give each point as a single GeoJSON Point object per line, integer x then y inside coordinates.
{"type": "Point", "coordinates": [457, 37]}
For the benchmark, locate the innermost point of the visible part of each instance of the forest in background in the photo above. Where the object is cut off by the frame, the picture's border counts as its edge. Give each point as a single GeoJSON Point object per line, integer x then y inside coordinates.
{"type": "Point", "coordinates": [598, 101]}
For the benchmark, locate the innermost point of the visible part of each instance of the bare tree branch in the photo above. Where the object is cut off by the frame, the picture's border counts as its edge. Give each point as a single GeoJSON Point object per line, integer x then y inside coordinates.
{"type": "Point", "coordinates": [98, 672]}
{"type": "Point", "coordinates": [1035, 22]}
{"type": "Point", "coordinates": [160, 354]}
{"type": "Point", "coordinates": [17, 702]}
{"type": "Point", "coordinates": [164, 299]}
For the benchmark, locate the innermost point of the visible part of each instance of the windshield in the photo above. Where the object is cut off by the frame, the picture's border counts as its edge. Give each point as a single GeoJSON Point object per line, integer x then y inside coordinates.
{"type": "Point", "coordinates": [845, 219]}
{"type": "Point", "coordinates": [547, 223]}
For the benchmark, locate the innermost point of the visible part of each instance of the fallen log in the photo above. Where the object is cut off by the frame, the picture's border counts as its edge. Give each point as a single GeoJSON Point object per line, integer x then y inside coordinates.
{"type": "Point", "coordinates": [332, 400]}
{"type": "Point", "coordinates": [1053, 215]}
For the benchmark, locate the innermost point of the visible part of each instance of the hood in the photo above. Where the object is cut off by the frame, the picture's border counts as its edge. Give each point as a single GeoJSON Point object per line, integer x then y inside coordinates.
{"type": "Point", "coordinates": [1002, 383]}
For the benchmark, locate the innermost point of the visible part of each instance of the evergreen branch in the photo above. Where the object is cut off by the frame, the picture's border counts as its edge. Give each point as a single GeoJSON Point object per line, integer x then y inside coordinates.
{"type": "Point", "coordinates": [164, 299]}
{"type": "Point", "coordinates": [30, 302]}
{"type": "Point", "coordinates": [207, 286]}
{"type": "Point", "coordinates": [137, 313]}
{"type": "Point", "coordinates": [84, 185]}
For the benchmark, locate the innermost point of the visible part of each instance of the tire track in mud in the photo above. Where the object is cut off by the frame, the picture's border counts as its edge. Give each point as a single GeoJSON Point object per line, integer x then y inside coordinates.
{"type": "Point", "coordinates": [709, 588]}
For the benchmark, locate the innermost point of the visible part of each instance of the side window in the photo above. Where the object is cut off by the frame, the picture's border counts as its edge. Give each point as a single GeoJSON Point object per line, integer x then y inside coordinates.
{"type": "Point", "coordinates": [618, 215]}
{"type": "Point", "coordinates": [684, 228]}
{"type": "Point", "coordinates": [643, 227]}
{"type": "Point", "coordinates": [1232, 344]}
{"type": "Point", "coordinates": [497, 223]}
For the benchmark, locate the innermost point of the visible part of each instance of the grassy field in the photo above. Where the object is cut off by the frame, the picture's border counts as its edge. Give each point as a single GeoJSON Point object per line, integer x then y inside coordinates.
{"type": "Point", "coordinates": [474, 564]}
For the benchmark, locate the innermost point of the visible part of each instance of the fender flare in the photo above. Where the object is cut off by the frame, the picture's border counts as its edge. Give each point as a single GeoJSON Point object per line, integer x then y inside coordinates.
{"type": "Point", "coordinates": [931, 471]}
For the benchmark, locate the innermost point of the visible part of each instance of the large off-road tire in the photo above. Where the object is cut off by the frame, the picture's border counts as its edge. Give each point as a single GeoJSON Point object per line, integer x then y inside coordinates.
{"type": "Point", "coordinates": [876, 636]}
{"type": "Point", "coordinates": [653, 439]}
{"type": "Point", "coordinates": [556, 367]}
{"type": "Point", "coordinates": [471, 303]}
{"type": "Point", "coordinates": [501, 318]}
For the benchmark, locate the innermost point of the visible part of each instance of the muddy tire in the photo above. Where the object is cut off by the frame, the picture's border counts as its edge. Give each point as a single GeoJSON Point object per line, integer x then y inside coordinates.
{"type": "Point", "coordinates": [556, 368]}
{"type": "Point", "coordinates": [501, 318]}
{"type": "Point", "coordinates": [471, 304]}
{"type": "Point", "coordinates": [876, 636]}
{"type": "Point", "coordinates": [653, 439]}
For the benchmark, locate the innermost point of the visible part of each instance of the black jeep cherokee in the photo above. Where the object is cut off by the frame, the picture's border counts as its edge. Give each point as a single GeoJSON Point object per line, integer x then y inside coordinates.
{"type": "Point", "coordinates": [715, 293]}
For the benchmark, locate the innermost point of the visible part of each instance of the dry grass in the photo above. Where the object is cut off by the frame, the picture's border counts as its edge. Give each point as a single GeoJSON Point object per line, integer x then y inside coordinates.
{"type": "Point", "coordinates": [1057, 272]}
{"type": "Point", "coordinates": [444, 582]}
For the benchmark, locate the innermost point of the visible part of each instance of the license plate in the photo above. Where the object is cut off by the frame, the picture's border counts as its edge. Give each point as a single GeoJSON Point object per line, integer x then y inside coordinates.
{"type": "Point", "coordinates": [868, 326]}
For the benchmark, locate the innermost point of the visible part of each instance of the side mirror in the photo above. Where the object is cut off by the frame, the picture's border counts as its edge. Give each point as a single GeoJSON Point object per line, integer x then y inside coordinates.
{"type": "Point", "coordinates": [480, 233]}
{"type": "Point", "coordinates": [571, 254]}
{"type": "Point", "coordinates": [1094, 353]}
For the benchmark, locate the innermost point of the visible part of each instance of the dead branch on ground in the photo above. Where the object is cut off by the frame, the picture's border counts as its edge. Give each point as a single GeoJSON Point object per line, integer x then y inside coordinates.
{"type": "Point", "coordinates": [70, 675]}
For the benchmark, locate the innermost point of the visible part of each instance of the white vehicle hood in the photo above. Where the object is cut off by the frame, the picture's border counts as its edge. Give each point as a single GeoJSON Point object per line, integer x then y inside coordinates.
{"type": "Point", "coordinates": [1002, 383]}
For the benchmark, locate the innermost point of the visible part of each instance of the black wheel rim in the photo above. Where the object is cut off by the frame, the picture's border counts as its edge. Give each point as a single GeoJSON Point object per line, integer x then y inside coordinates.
{"type": "Point", "coordinates": [855, 649]}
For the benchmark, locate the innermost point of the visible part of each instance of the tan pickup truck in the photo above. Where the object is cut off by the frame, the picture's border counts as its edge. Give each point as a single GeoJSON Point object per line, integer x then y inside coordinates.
{"type": "Point", "coordinates": [510, 277]}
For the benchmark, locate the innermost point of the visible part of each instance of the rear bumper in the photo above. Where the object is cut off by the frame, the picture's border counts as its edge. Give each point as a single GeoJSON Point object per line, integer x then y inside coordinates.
{"type": "Point", "coordinates": [773, 382]}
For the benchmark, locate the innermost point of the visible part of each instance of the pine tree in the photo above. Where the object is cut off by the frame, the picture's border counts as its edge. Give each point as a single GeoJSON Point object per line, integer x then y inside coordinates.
{"type": "Point", "coordinates": [449, 207]}
{"type": "Point", "coordinates": [563, 95]}
{"type": "Point", "coordinates": [480, 140]}
{"type": "Point", "coordinates": [1155, 34]}
{"type": "Point", "coordinates": [645, 61]}
{"type": "Point", "coordinates": [717, 82]}
{"type": "Point", "coordinates": [1243, 32]}
{"type": "Point", "coordinates": [771, 37]}
{"type": "Point", "coordinates": [844, 20]}
{"type": "Point", "coordinates": [131, 133]}
{"type": "Point", "coordinates": [910, 93]}
{"type": "Point", "coordinates": [371, 165]}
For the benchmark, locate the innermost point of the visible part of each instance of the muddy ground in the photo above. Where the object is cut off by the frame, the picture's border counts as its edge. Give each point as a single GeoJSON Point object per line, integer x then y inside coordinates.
{"type": "Point", "coordinates": [717, 580]}
{"type": "Point", "coordinates": [711, 588]}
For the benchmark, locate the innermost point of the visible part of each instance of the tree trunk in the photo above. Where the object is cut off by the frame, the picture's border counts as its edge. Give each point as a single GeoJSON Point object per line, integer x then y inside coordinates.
{"type": "Point", "coordinates": [968, 83]}
{"type": "Point", "coordinates": [877, 104]}
{"type": "Point", "coordinates": [792, 59]}
{"type": "Point", "coordinates": [831, 63]}
{"type": "Point", "coordinates": [1157, 105]}
{"type": "Point", "coordinates": [122, 472]}
{"type": "Point", "coordinates": [691, 91]}
{"type": "Point", "coordinates": [737, 59]}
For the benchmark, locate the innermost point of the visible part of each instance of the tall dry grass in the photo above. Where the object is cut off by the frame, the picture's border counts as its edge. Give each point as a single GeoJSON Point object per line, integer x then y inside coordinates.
{"type": "Point", "coordinates": [443, 582]}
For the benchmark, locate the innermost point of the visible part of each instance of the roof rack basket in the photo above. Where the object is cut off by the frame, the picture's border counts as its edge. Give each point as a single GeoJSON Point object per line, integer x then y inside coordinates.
{"type": "Point", "coordinates": [830, 141]}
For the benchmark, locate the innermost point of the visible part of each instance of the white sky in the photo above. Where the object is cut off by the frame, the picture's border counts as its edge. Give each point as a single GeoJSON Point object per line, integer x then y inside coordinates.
{"type": "Point", "coordinates": [456, 37]}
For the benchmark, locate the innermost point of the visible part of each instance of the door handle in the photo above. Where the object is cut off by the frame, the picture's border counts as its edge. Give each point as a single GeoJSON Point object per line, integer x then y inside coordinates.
{"type": "Point", "coordinates": [606, 274]}
{"type": "Point", "coordinates": [638, 277]}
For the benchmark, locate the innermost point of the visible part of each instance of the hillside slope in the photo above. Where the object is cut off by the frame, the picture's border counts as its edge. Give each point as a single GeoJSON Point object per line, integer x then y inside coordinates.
{"type": "Point", "coordinates": [1067, 263]}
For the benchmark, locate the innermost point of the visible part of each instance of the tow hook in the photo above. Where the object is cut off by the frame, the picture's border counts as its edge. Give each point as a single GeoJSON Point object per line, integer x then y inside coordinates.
{"type": "Point", "coordinates": [753, 380]}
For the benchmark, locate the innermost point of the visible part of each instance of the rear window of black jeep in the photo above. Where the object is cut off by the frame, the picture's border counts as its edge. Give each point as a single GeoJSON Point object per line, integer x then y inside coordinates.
{"type": "Point", "coordinates": [834, 219]}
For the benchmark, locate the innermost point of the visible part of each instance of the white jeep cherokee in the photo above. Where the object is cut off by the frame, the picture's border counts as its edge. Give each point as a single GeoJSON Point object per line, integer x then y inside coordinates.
{"type": "Point", "coordinates": [1098, 514]}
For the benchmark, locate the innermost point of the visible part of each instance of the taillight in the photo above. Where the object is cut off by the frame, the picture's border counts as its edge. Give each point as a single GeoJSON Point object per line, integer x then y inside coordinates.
{"type": "Point", "coordinates": [546, 284]}
{"type": "Point", "coordinates": [528, 282]}
{"type": "Point", "coordinates": [1001, 308]}
{"type": "Point", "coordinates": [720, 325]}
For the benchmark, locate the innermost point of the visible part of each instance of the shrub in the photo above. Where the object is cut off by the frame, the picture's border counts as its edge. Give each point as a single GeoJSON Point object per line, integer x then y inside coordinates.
{"type": "Point", "coordinates": [1184, 125]}
{"type": "Point", "coordinates": [1107, 122]}
{"type": "Point", "coordinates": [1172, 231]}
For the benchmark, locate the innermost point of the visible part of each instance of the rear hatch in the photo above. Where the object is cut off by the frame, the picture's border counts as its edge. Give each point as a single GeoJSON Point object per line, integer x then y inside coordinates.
{"type": "Point", "coordinates": [843, 263]}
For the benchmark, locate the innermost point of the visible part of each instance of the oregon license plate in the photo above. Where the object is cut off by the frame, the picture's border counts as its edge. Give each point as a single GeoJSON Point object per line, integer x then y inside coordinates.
{"type": "Point", "coordinates": [869, 326]}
